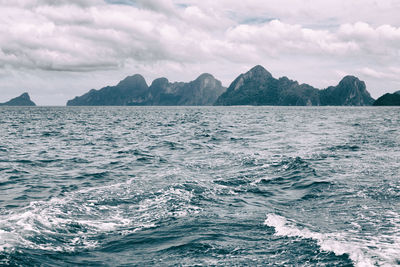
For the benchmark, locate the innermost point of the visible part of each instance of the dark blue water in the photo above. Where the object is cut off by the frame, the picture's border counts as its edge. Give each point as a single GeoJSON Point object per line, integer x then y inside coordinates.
{"type": "Point", "coordinates": [139, 186]}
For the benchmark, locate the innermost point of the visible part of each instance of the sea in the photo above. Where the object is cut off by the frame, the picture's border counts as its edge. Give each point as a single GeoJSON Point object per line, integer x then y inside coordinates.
{"type": "Point", "coordinates": [199, 186]}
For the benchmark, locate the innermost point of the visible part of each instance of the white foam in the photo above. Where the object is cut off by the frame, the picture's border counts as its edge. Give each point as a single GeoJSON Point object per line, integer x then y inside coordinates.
{"type": "Point", "coordinates": [328, 242]}
{"type": "Point", "coordinates": [89, 211]}
{"type": "Point", "coordinates": [5, 239]}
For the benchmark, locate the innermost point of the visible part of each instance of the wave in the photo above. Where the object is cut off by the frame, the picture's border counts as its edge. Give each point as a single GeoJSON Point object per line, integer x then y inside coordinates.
{"type": "Point", "coordinates": [363, 253]}
{"type": "Point", "coordinates": [290, 179]}
{"type": "Point", "coordinates": [346, 147]}
{"type": "Point", "coordinates": [75, 222]}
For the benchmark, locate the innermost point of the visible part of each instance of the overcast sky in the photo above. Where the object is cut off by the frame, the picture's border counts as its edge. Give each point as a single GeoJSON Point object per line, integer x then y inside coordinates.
{"type": "Point", "coordinates": [57, 49]}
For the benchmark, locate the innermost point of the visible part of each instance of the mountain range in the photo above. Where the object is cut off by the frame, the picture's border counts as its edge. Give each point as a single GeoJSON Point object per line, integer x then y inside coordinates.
{"type": "Point", "coordinates": [259, 87]}
{"type": "Point", "coordinates": [134, 91]}
{"type": "Point", "coordinates": [22, 100]}
{"type": "Point", "coordinates": [256, 87]}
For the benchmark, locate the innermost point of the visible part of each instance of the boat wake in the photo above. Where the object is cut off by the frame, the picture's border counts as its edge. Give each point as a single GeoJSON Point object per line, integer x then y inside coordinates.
{"type": "Point", "coordinates": [363, 253]}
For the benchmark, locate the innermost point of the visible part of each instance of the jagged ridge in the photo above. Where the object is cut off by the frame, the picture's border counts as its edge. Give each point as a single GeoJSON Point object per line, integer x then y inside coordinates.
{"type": "Point", "coordinates": [255, 87]}
{"type": "Point", "coordinates": [130, 90]}
{"type": "Point", "coordinates": [134, 90]}
{"type": "Point", "coordinates": [258, 87]}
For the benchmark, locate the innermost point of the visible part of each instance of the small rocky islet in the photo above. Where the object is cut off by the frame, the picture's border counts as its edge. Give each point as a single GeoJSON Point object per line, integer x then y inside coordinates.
{"type": "Point", "coordinates": [22, 100]}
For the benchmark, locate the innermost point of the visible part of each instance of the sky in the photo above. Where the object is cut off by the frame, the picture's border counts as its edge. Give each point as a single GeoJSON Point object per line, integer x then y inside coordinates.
{"type": "Point", "coordinates": [58, 49]}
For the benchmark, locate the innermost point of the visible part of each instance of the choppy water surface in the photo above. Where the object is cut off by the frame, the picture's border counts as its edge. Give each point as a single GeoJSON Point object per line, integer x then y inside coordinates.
{"type": "Point", "coordinates": [123, 186]}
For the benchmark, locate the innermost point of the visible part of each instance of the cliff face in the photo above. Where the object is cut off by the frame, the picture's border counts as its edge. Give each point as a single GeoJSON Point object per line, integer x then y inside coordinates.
{"type": "Point", "coordinates": [205, 90]}
{"type": "Point", "coordinates": [258, 87]}
{"type": "Point", "coordinates": [349, 92]}
{"type": "Point", "coordinates": [22, 100]}
{"type": "Point", "coordinates": [130, 90]}
{"type": "Point", "coordinates": [255, 87]}
{"type": "Point", "coordinates": [201, 92]}
{"type": "Point", "coordinates": [134, 91]}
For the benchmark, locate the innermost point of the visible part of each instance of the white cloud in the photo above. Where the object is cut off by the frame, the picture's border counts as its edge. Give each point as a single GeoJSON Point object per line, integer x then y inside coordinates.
{"type": "Point", "coordinates": [307, 12]}
{"type": "Point", "coordinates": [180, 39]}
{"type": "Point", "coordinates": [276, 37]}
{"type": "Point", "coordinates": [392, 73]}
{"type": "Point", "coordinates": [164, 6]}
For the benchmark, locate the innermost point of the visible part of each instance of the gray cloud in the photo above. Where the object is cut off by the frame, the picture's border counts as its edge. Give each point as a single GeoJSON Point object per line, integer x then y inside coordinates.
{"type": "Point", "coordinates": [105, 40]}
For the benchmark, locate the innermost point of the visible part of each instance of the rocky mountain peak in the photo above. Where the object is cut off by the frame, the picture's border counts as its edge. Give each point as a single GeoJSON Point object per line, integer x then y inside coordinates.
{"type": "Point", "coordinates": [134, 91]}
{"type": "Point", "coordinates": [22, 100]}
{"type": "Point", "coordinates": [350, 91]}
{"type": "Point", "coordinates": [159, 82]}
{"type": "Point", "coordinates": [352, 81]}
{"type": "Point", "coordinates": [258, 71]}
{"type": "Point", "coordinates": [205, 76]}
{"type": "Point", "coordinates": [25, 96]}
{"type": "Point", "coordinates": [207, 80]}
{"type": "Point", "coordinates": [133, 80]}
{"type": "Point", "coordinates": [258, 87]}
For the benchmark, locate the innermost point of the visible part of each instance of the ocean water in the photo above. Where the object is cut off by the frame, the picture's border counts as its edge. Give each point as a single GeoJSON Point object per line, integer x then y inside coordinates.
{"type": "Point", "coordinates": [220, 186]}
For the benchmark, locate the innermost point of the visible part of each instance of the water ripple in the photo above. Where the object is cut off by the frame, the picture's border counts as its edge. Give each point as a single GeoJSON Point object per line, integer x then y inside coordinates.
{"type": "Point", "coordinates": [122, 186]}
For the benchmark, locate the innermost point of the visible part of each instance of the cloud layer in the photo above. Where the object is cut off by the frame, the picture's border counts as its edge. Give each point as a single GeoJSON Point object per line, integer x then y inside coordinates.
{"type": "Point", "coordinates": [62, 48]}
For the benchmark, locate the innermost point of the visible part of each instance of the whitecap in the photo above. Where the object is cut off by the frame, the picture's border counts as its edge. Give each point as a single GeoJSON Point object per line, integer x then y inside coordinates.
{"type": "Point", "coordinates": [338, 243]}
{"type": "Point", "coordinates": [85, 214]}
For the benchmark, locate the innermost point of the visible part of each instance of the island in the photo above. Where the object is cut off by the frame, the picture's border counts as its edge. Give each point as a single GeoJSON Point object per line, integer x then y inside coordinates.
{"type": "Point", "coordinates": [22, 100]}
{"type": "Point", "coordinates": [258, 87]}
{"type": "Point", "coordinates": [134, 91]}
{"type": "Point", "coordinates": [388, 100]}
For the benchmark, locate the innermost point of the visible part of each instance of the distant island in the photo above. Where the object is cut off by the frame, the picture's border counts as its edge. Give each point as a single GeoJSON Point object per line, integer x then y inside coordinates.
{"type": "Point", "coordinates": [22, 100]}
{"type": "Point", "coordinates": [388, 100]}
{"type": "Point", "coordinates": [256, 87]}
{"type": "Point", "coordinates": [134, 91]}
